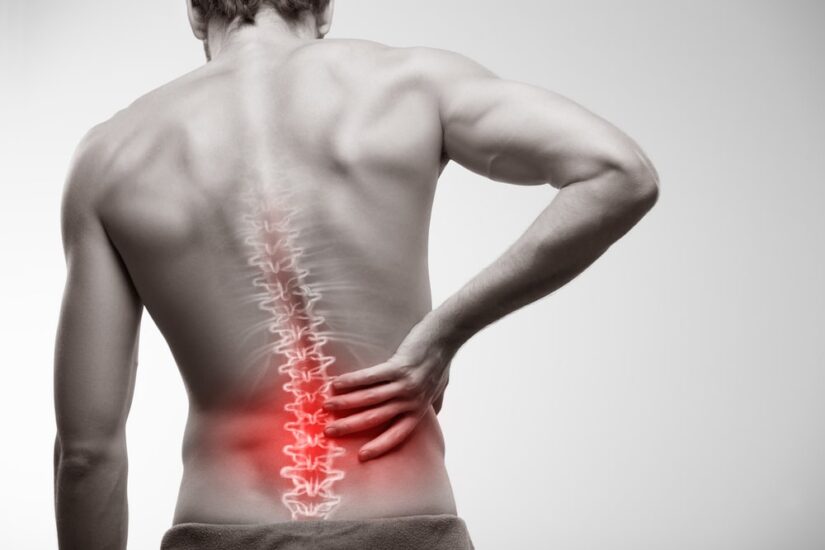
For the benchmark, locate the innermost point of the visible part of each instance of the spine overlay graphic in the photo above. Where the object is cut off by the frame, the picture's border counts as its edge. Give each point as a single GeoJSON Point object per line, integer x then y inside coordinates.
{"type": "Point", "coordinates": [298, 345]}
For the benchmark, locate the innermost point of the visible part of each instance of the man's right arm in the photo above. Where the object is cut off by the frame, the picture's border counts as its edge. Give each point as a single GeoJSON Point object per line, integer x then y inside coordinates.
{"type": "Point", "coordinates": [515, 133]}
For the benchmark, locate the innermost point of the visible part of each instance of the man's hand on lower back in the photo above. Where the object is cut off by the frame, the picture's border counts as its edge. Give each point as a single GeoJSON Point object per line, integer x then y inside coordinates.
{"type": "Point", "coordinates": [401, 389]}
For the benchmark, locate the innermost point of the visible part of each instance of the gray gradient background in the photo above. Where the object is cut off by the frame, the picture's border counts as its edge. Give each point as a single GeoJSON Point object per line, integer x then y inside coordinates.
{"type": "Point", "coordinates": [671, 397]}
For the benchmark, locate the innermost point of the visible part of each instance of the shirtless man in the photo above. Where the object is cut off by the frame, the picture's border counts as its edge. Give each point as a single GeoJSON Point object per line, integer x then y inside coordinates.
{"type": "Point", "coordinates": [270, 211]}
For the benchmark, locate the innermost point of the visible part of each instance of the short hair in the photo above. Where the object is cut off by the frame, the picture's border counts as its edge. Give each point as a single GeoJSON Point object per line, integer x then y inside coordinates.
{"type": "Point", "coordinates": [291, 10]}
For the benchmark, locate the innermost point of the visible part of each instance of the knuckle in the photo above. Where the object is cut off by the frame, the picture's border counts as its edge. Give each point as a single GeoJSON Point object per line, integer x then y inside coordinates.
{"type": "Point", "coordinates": [405, 369]}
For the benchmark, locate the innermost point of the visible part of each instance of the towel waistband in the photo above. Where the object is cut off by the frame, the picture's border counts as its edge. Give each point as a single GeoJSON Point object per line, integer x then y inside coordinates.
{"type": "Point", "coordinates": [422, 532]}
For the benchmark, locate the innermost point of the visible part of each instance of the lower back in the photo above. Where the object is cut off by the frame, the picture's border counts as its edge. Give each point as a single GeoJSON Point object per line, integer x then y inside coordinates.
{"type": "Point", "coordinates": [233, 466]}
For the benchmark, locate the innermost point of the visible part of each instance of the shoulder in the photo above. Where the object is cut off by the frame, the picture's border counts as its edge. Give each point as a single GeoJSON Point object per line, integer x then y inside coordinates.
{"type": "Point", "coordinates": [112, 158]}
{"type": "Point", "coordinates": [416, 61]}
{"type": "Point", "coordinates": [435, 72]}
{"type": "Point", "coordinates": [111, 149]}
{"type": "Point", "coordinates": [97, 156]}
{"type": "Point", "coordinates": [85, 183]}
{"type": "Point", "coordinates": [436, 64]}
{"type": "Point", "coordinates": [89, 161]}
{"type": "Point", "coordinates": [102, 160]}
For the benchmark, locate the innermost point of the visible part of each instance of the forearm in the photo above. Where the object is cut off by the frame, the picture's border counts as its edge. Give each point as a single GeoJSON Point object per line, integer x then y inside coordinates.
{"type": "Point", "coordinates": [580, 224]}
{"type": "Point", "coordinates": [90, 500]}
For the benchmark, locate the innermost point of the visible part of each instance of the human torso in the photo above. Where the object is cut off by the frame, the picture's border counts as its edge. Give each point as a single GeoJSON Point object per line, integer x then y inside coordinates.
{"type": "Point", "coordinates": [273, 213]}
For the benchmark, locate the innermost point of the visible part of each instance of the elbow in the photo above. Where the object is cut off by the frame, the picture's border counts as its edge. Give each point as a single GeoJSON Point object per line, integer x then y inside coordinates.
{"type": "Point", "coordinates": [625, 176]}
{"type": "Point", "coordinates": [638, 181]}
{"type": "Point", "coordinates": [80, 459]}
{"type": "Point", "coordinates": [642, 189]}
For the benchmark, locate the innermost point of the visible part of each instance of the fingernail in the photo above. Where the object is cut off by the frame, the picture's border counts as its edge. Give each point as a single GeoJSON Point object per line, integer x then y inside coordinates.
{"type": "Point", "coordinates": [331, 430]}
{"type": "Point", "coordinates": [329, 406]}
{"type": "Point", "coordinates": [364, 455]}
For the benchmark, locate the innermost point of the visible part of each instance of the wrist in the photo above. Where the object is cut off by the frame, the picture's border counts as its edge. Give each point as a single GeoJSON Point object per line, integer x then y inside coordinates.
{"type": "Point", "coordinates": [447, 329]}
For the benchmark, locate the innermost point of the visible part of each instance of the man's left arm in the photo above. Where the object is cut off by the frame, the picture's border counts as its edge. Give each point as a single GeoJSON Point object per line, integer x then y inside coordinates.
{"type": "Point", "coordinates": [520, 134]}
{"type": "Point", "coordinates": [95, 363]}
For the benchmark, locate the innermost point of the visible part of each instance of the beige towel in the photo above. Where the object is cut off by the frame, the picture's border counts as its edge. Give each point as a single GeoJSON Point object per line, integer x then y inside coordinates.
{"type": "Point", "coordinates": [430, 532]}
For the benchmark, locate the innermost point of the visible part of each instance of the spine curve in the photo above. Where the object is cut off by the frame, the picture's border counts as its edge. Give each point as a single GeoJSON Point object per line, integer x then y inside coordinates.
{"type": "Point", "coordinates": [297, 348]}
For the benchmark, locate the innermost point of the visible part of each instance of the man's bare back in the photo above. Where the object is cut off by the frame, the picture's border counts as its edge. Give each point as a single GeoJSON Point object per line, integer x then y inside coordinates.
{"type": "Point", "coordinates": [270, 210]}
{"type": "Point", "coordinates": [339, 136]}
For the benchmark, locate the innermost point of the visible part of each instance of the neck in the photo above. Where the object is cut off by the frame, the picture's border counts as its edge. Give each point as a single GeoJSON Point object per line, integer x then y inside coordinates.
{"type": "Point", "coordinates": [224, 36]}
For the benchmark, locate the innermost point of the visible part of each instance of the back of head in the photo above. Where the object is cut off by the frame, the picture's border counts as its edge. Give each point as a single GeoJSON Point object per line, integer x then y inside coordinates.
{"type": "Point", "coordinates": [290, 10]}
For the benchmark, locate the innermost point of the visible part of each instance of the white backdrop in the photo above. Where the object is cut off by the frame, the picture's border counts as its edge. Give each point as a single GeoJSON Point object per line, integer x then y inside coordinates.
{"type": "Point", "coordinates": [670, 397]}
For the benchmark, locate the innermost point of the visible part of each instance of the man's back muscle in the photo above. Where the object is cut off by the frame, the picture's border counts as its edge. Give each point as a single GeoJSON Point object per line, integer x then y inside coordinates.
{"type": "Point", "coordinates": [309, 174]}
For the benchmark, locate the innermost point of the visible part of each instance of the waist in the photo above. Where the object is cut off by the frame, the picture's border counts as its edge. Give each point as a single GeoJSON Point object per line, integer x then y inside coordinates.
{"type": "Point", "coordinates": [242, 468]}
{"type": "Point", "coordinates": [433, 532]}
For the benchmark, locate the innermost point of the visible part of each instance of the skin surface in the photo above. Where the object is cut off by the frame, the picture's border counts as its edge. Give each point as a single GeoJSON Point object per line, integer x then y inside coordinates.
{"type": "Point", "coordinates": [351, 135]}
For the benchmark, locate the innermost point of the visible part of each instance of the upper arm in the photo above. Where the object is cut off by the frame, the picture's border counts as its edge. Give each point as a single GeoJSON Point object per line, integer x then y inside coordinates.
{"type": "Point", "coordinates": [519, 133]}
{"type": "Point", "coordinates": [95, 352]}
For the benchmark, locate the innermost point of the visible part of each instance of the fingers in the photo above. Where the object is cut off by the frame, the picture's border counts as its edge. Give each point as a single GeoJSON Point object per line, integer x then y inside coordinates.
{"type": "Point", "coordinates": [364, 398]}
{"type": "Point", "coordinates": [366, 420]}
{"type": "Point", "coordinates": [383, 372]}
{"type": "Point", "coordinates": [394, 436]}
